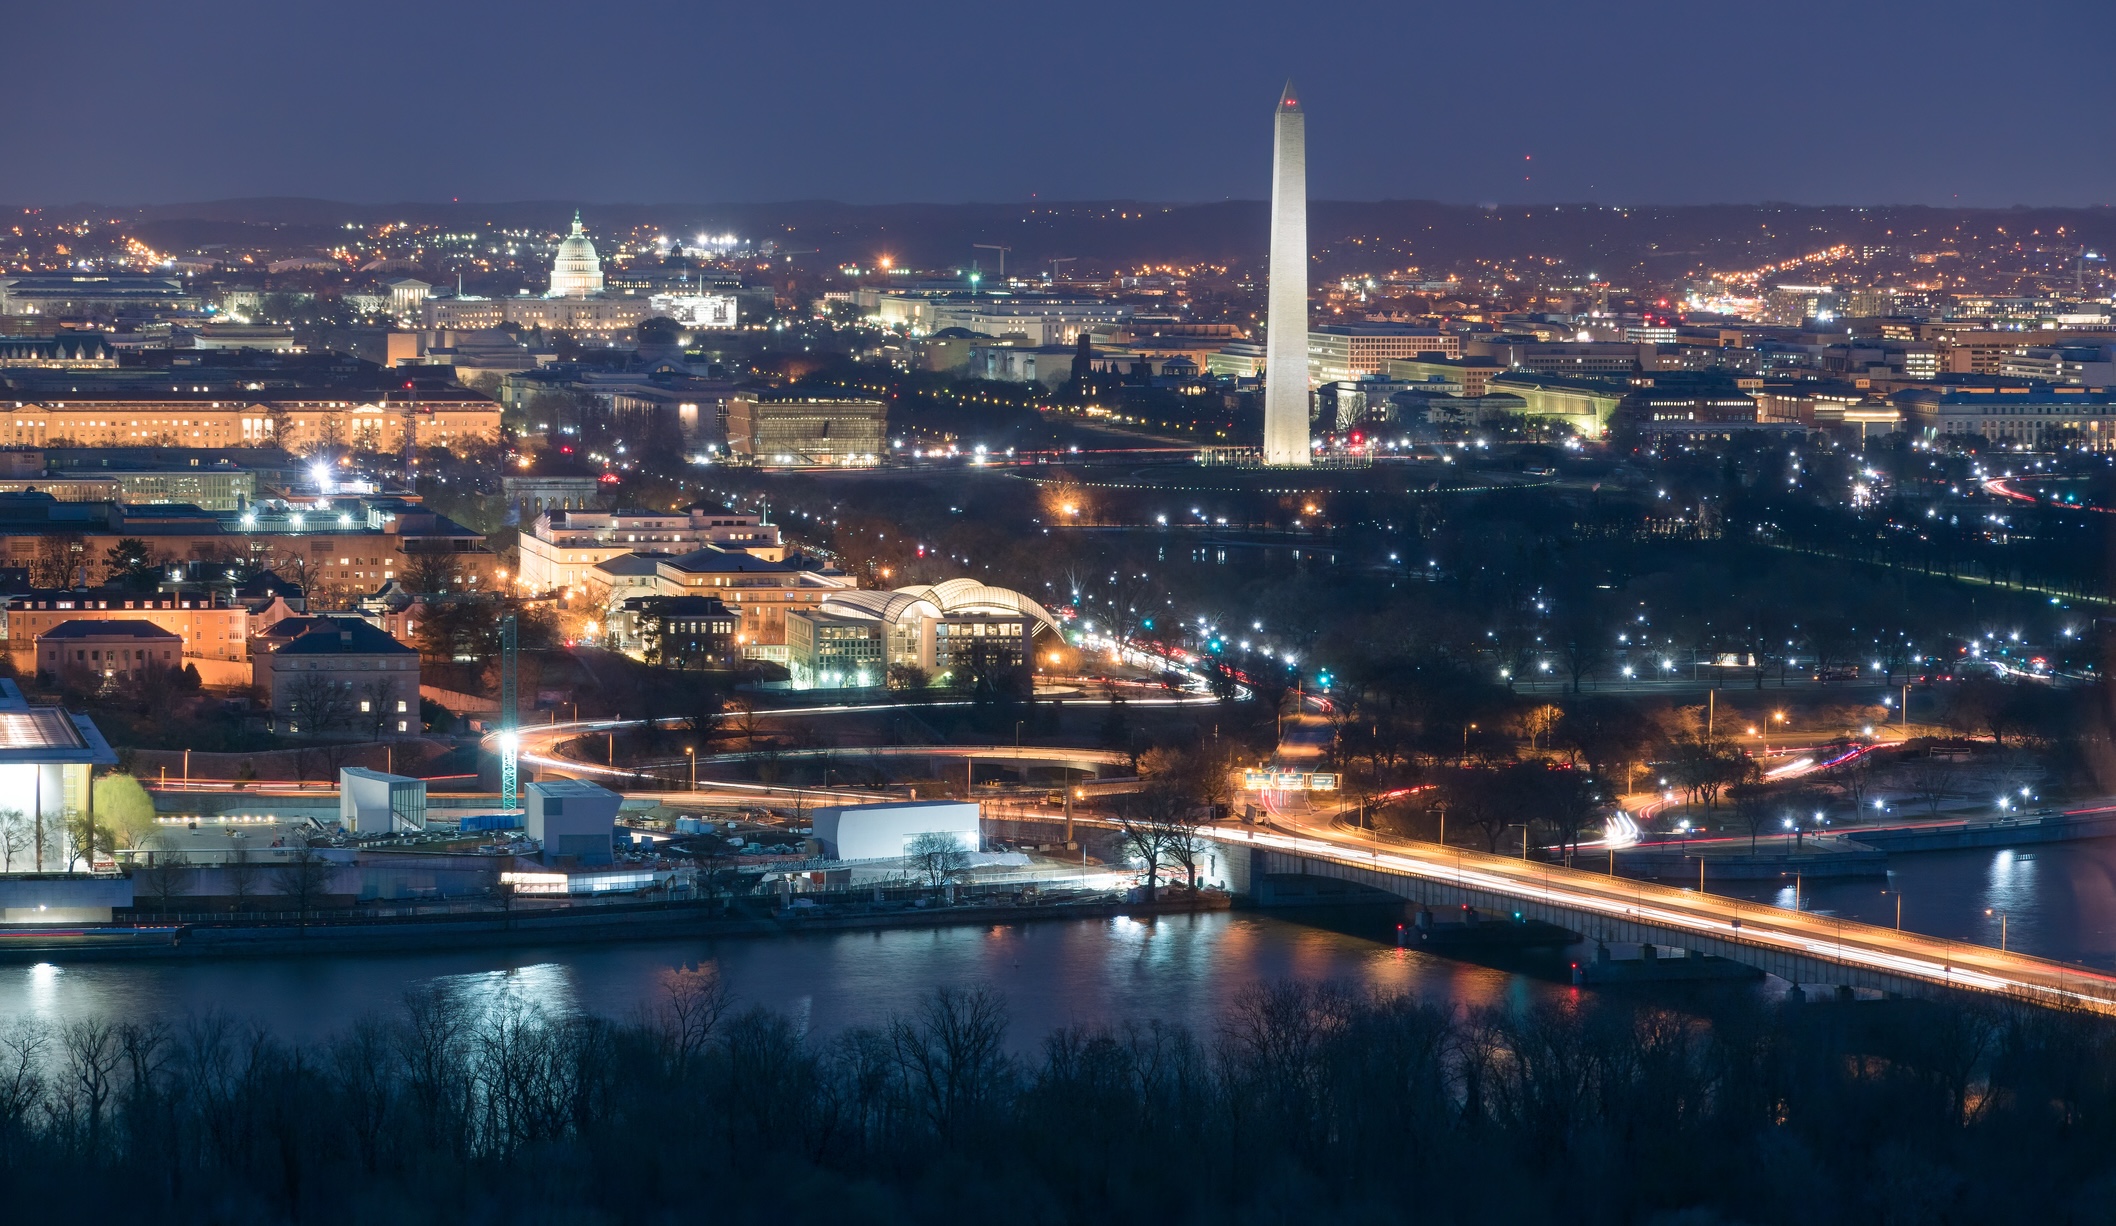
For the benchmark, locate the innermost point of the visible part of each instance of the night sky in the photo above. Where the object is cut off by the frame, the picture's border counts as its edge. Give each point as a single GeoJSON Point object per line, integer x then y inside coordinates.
{"type": "Point", "coordinates": [647, 101]}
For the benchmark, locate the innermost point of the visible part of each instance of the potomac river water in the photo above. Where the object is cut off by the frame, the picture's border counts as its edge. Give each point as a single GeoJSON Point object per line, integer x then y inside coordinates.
{"type": "Point", "coordinates": [2058, 901]}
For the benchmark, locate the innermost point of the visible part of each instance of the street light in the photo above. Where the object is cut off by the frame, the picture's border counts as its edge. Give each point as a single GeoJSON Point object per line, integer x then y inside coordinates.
{"type": "Point", "coordinates": [2001, 928]}
{"type": "Point", "coordinates": [691, 752]}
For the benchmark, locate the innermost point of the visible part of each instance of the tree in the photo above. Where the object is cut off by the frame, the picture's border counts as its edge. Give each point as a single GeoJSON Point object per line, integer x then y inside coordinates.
{"type": "Point", "coordinates": [58, 560]}
{"type": "Point", "coordinates": [1605, 733]}
{"type": "Point", "coordinates": [701, 704]}
{"type": "Point", "coordinates": [1753, 807]}
{"type": "Point", "coordinates": [1537, 722]}
{"type": "Point", "coordinates": [939, 856]}
{"type": "Point", "coordinates": [85, 837]}
{"type": "Point", "coordinates": [131, 564]}
{"type": "Point", "coordinates": [164, 875]}
{"type": "Point", "coordinates": [1571, 803]}
{"type": "Point", "coordinates": [378, 706]}
{"type": "Point", "coordinates": [14, 837]}
{"type": "Point", "coordinates": [1489, 800]}
{"type": "Point", "coordinates": [1582, 642]}
{"type": "Point", "coordinates": [1149, 820]}
{"type": "Point", "coordinates": [304, 876]}
{"type": "Point", "coordinates": [240, 872]}
{"type": "Point", "coordinates": [433, 573]}
{"type": "Point", "coordinates": [906, 679]}
{"type": "Point", "coordinates": [1932, 781]}
{"type": "Point", "coordinates": [317, 704]}
{"type": "Point", "coordinates": [1706, 767]}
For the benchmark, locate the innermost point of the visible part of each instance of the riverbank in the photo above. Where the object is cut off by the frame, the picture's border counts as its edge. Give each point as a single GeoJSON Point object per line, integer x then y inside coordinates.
{"type": "Point", "coordinates": [599, 923]}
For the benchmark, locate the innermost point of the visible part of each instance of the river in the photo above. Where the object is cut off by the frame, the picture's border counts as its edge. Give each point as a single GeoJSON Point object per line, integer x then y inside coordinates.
{"type": "Point", "coordinates": [1053, 973]}
{"type": "Point", "coordinates": [2059, 901]}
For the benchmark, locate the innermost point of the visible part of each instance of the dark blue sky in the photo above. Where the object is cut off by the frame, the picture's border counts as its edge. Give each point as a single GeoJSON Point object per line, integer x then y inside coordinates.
{"type": "Point", "coordinates": [1856, 102]}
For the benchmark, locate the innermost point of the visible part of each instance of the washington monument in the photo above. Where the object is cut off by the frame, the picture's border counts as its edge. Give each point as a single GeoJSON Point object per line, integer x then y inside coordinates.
{"type": "Point", "coordinates": [1286, 320]}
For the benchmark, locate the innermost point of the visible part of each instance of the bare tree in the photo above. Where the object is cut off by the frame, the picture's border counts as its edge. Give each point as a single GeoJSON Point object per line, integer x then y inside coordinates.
{"type": "Point", "coordinates": [14, 837]}
{"type": "Point", "coordinates": [240, 872]}
{"type": "Point", "coordinates": [378, 705]}
{"type": "Point", "coordinates": [692, 1004]}
{"type": "Point", "coordinates": [25, 1047]}
{"type": "Point", "coordinates": [304, 877]}
{"type": "Point", "coordinates": [1149, 822]}
{"type": "Point", "coordinates": [92, 1055]}
{"type": "Point", "coordinates": [1931, 781]}
{"type": "Point", "coordinates": [939, 856]}
{"type": "Point", "coordinates": [166, 876]}
{"type": "Point", "coordinates": [953, 1058]}
{"type": "Point", "coordinates": [317, 704]}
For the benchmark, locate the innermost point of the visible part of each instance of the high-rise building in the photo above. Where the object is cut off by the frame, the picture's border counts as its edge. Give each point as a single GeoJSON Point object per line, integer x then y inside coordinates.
{"type": "Point", "coordinates": [1286, 320]}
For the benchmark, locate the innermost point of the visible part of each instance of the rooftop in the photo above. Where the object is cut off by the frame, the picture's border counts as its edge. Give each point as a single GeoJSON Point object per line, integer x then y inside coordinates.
{"type": "Point", "coordinates": [344, 636]}
{"type": "Point", "coordinates": [115, 628]}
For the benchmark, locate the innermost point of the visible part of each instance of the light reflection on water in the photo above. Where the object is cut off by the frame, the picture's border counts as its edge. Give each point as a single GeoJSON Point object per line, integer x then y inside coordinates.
{"type": "Point", "coordinates": [1183, 969]}
{"type": "Point", "coordinates": [2059, 901]}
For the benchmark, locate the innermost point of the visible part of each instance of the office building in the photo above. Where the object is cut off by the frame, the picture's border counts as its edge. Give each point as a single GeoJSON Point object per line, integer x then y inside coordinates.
{"type": "Point", "coordinates": [375, 420]}
{"type": "Point", "coordinates": [2036, 417]}
{"type": "Point", "coordinates": [113, 653]}
{"type": "Point", "coordinates": [685, 633]}
{"type": "Point", "coordinates": [1338, 352]}
{"type": "Point", "coordinates": [342, 676]}
{"type": "Point", "coordinates": [561, 546]}
{"type": "Point", "coordinates": [793, 431]}
{"type": "Point", "coordinates": [571, 820]}
{"type": "Point", "coordinates": [1463, 376]}
{"type": "Point", "coordinates": [949, 631]}
{"type": "Point", "coordinates": [95, 296]}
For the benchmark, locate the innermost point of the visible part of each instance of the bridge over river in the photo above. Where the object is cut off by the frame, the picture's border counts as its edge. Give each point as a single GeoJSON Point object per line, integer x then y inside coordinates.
{"type": "Point", "coordinates": [1797, 946]}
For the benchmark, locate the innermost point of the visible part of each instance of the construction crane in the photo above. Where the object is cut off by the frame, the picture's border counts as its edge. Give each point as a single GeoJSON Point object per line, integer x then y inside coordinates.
{"type": "Point", "coordinates": [1064, 259]}
{"type": "Point", "coordinates": [510, 715]}
{"type": "Point", "coordinates": [1002, 255]}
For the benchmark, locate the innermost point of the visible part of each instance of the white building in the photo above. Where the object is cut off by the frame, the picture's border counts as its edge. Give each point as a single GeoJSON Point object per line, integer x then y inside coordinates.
{"type": "Point", "coordinates": [562, 547]}
{"type": "Point", "coordinates": [370, 801]}
{"type": "Point", "coordinates": [886, 831]}
{"type": "Point", "coordinates": [571, 819]}
{"type": "Point", "coordinates": [696, 310]}
{"type": "Point", "coordinates": [46, 757]}
{"type": "Point", "coordinates": [577, 272]}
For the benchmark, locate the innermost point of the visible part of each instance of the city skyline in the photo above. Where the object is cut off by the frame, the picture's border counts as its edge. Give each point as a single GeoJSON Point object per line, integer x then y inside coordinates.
{"type": "Point", "coordinates": [1045, 656]}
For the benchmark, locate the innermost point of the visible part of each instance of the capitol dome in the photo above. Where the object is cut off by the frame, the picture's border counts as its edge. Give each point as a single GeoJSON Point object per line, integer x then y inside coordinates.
{"type": "Point", "coordinates": [577, 272]}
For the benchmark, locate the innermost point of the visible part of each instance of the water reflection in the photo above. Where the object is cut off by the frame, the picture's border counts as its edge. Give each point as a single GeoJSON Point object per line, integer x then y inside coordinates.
{"type": "Point", "coordinates": [1183, 969]}
{"type": "Point", "coordinates": [2060, 902]}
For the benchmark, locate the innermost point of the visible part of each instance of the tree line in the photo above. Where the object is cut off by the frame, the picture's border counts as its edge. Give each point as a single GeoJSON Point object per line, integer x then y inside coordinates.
{"type": "Point", "coordinates": [1311, 1102]}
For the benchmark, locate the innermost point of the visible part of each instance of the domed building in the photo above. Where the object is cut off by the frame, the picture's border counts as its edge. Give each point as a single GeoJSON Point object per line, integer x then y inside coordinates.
{"type": "Point", "coordinates": [946, 631]}
{"type": "Point", "coordinates": [577, 272]}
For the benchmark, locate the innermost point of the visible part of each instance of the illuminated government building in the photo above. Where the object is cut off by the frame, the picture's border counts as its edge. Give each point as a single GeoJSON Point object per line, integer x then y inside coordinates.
{"type": "Point", "coordinates": [575, 301]}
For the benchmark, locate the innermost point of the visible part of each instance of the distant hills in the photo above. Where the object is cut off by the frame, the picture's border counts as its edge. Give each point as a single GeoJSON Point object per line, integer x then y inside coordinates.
{"type": "Point", "coordinates": [1653, 243]}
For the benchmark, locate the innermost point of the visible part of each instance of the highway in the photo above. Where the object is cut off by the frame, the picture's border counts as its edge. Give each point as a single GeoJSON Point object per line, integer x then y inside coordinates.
{"type": "Point", "coordinates": [1702, 921]}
